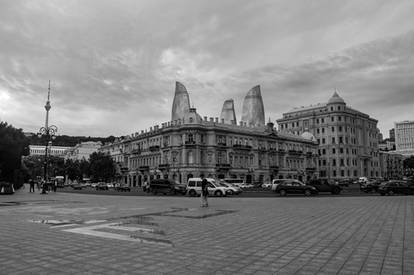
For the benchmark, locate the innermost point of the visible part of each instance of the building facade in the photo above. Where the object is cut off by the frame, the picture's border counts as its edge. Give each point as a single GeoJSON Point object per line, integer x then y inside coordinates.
{"type": "Point", "coordinates": [347, 138]}
{"type": "Point", "coordinates": [39, 150]}
{"type": "Point", "coordinates": [391, 164]}
{"type": "Point", "coordinates": [82, 150]}
{"type": "Point", "coordinates": [404, 137]}
{"type": "Point", "coordinates": [192, 146]}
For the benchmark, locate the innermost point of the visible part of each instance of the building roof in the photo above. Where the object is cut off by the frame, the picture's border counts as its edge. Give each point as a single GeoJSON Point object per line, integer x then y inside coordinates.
{"type": "Point", "coordinates": [336, 99]}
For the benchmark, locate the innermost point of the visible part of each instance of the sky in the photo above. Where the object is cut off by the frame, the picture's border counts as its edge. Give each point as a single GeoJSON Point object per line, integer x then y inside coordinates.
{"type": "Point", "coordinates": [113, 64]}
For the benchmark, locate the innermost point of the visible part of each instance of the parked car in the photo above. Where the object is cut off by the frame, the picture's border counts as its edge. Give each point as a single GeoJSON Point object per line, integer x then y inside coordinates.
{"type": "Point", "coordinates": [396, 187]}
{"type": "Point", "coordinates": [276, 182]}
{"type": "Point", "coordinates": [235, 182]}
{"type": "Point", "coordinates": [102, 186]}
{"type": "Point", "coordinates": [167, 186]}
{"type": "Point", "coordinates": [295, 187]}
{"type": "Point", "coordinates": [370, 186]}
{"type": "Point", "coordinates": [267, 185]}
{"type": "Point", "coordinates": [214, 189]}
{"type": "Point", "coordinates": [77, 186]}
{"type": "Point", "coordinates": [122, 188]}
{"type": "Point", "coordinates": [6, 188]}
{"type": "Point", "coordinates": [232, 189]}
{"type": "Point", "coordinates": [325, 186]}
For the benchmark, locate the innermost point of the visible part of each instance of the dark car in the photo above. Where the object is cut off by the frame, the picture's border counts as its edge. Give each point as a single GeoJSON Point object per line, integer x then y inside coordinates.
{"type": "Point", "coordinates": [102, 186]}
{"type": "Point", "coordinates": [167, 186]}
{"type": "Point", "coordinates": [6, 188]}
{"type": "Point", "coordinates": [395, 187]}
{"type": "Point", "coordinates": [295, 187]}
{"type": "Point", "coordinates": [325, 186]}
{"type": "Point", "coordinates": [77, 186]}
{"type": "Point", "coordinates": [122, 188]}
{"type": "Point", "coordinates": [370, 186]}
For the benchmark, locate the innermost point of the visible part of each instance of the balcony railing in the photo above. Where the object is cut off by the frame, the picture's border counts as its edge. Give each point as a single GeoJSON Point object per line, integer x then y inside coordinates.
{"type": "Point", "coordinates": [154, 148]}
{"type": "Point", "coordinates": [190, 142]}
{"type": "Point", "coordinates": [221, 144]}
{"type": "Point", "coordinates": [143, 167]}
{"type": "Point", "coordinates": [136, 151]}
{"type": "Point", "coordinates": [164, 166]}
{"type": "Point", "coordinates": [242, 146]}
{"type": "Point", "coordinates": [223, 166]}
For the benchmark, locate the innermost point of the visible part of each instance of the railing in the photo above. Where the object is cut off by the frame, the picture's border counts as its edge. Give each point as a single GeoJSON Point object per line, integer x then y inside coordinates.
{"type": "Point", "coordinates": [154, 148]}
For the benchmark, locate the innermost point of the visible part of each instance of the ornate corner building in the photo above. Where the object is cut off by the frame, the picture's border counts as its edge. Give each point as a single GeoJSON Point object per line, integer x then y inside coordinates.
{"type": "Point", "coordinates": [190, 146]}
{"type": "Point", "coordinates": [347, 138]}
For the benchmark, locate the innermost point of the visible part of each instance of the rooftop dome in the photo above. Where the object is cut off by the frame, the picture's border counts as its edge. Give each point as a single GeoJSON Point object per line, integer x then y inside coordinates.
{"type": "Point", "coordinates": [308, 136]}
{"type": "Point", "coordinates": [336, 99]}
{"type": "Point", "coordinates": [192, 117]}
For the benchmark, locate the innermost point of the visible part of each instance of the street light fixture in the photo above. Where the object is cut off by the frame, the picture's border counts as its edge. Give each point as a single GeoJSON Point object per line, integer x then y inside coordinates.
{"type": "Point", "coordinates": [49, 133]}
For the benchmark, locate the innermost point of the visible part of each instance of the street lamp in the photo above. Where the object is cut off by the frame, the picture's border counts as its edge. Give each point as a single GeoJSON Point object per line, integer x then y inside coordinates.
{"type": "Point", "coordinates": [49, 133]}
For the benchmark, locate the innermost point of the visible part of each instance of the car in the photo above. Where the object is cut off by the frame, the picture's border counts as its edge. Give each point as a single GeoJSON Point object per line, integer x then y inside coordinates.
{"type": "Point", "coordinates": [77, 186]}
{"type": "Point", "coordinates": [232, 189]}
{"type": "Point", "coordinates": [235, 182]}
{"type": "Point", "coordinates": [110, 185]}
{"type": "Point", "coordinates": [295, 187]}
{"type": "Point", "coordinates": [101, 186]}
{"type": "Point", "coordinates": [122, 188]}
{"type": "Point", "coordinates": [6, 188]}
{"type": "Point", "coordinates": [214, 189]}
{"type": "Point", "coordinates": [395, 187]}
{"type": "Point", "coordinates": [370, 186]}
{"type": "Point", "coordinates": [276, 182]}
{"type": "Point", "coordinates": [325, 186]}
{"type": "Point", "coordinates": [267, 185]}
{"type": "Point", "coordinates": [167, 186]}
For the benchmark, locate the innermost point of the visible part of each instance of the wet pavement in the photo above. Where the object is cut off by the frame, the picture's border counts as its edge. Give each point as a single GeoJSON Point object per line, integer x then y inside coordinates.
{"type": "Point", "coordinates": [70, 233]}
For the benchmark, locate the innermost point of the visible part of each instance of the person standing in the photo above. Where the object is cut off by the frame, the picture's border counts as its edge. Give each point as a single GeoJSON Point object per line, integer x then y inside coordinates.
{"type": "Point", "coordinates": [32, 185]}
{"type": "Point", "coordinates": [204, 192]}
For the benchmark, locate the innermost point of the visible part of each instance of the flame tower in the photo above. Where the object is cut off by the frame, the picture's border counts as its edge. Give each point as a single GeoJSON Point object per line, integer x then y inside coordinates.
{"type": "Point", "coordinates": [227, 112]}
{"type": "Point", "coordinates": [253, 109]}
{"type": "Point", "coordinates": [181, 103]}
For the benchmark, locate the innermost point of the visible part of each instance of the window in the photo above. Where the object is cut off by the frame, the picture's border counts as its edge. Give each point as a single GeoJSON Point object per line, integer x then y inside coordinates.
{"type": "Point", "coordinates": [333, 162]}
{"type": "Point", "coordinates": [317, 131]}
{"type": "Point", "coordinates": [333, 129]}
{"type": "Point", "coordinates": [339, 118]}
{"type": "Point", "coordinates": [333, 140]}
{"type": "Point", "coordinates": [323, 130]}
{"type": "Point", "coordinates": [341, 150]}
{"type": "Point", "coordinates": [323, 152]}
{"type": "Point", "coordinates": [333, 151]}
{"type": "Point", "coordinates": [317, 120]}
{"type": "Point", "coordinates": [340, 128]}
{"type": "Point", "coordinates": [323, 141]}
{"type": "Point", "coordinates": [332, 119]}
{"type": "Point", "coordinates": [341, 140]}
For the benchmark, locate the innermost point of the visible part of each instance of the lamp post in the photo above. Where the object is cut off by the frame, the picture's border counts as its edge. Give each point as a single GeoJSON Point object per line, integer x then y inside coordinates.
{"type": "Point", "coordinates": [49, 133]}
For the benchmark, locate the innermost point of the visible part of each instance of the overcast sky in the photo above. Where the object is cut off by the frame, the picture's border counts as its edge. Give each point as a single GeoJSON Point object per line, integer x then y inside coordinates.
{"type": "Point", "coordinates": [113, 64]}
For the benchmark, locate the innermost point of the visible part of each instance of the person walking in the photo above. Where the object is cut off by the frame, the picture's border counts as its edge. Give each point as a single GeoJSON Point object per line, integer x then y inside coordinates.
{"type": "Point", "coordinates": [32, 186]}
{"type": "Point", "coordinates": [204, 192]}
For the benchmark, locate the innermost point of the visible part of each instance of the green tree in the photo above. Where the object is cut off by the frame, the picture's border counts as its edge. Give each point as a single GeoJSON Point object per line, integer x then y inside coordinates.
{"type": "Point", "coordinates": [102, 167]}
{"type": "Point", "coordinates": [13, 145]}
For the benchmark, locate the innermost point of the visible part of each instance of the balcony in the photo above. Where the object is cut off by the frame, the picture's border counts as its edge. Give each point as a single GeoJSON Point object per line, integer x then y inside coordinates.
{"type": "Point", "coordinates": [143, 168]}
{"type": "Point", "coordinates": [154, 148]}
{"type": "Point", "coordinates": [190, 143]}
{"type": "Point", "coordinates": [275, 168]}
{"type": "Point", "coordinates": [223, 166]}
{"type": "Point", "coordinates": [221, 144]}
{"type": "Point", "coordinates": [242, 147]}
{"type": "Point", "coordinates": [164, 166]}
{"type": "Point", "coordinates": [136, 151]}
{"type": "Point", "coordinates": [262, 148]}
{"type": "Point", "coordinates": [295, 153]}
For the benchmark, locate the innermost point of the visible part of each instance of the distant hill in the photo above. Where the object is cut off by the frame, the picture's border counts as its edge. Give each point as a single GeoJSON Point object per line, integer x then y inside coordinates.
{"type": "Point", "coordinates": [65, 140]}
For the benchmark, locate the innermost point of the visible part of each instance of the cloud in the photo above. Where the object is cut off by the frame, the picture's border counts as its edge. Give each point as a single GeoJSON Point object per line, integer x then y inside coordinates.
{"type": "Point", "coordinates": [113, 65]}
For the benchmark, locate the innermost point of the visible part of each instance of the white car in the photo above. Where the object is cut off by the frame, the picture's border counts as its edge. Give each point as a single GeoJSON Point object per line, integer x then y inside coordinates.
{"type": "Point", "coordinates": [232, 189]}
{"type": "Point", "coordinates": [214, 189]}
{"type": "Point", "coordinates": [235, 182]}
{"type": "Point", "coordinates": [267, 185]}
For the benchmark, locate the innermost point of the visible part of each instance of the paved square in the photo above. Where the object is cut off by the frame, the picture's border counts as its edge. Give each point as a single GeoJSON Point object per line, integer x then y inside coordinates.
{"type": "Point", "coordinates": [66, 233]}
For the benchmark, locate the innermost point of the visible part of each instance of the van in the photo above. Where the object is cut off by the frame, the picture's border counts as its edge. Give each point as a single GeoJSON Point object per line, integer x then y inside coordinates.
{"type": "Point", "coordinates": [214, 188]}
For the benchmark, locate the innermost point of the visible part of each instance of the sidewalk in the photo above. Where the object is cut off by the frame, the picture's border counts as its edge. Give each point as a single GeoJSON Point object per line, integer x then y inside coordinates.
{"type": "Point", "coordinates": [66, 233]}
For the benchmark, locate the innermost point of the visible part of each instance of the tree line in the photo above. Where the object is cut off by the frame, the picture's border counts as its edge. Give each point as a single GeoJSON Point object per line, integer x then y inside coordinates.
{"type": "Point", "coordinates": [17, 166]}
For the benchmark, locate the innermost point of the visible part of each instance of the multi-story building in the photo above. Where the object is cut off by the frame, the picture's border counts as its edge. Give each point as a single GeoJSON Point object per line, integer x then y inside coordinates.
{"type": "Point", "coordinates": [191, 146]}
{"type": "Point", "coordinates": [39, 150]}
{"type": "Point", "coordinates": [392, 134]}
{"type": "Point", "coordinates": [82, 150]}
{"type": "Point", "coordinates": [404, 137]}
{"type": "Point", "coordinates": [391, 164]}
{"type": "Point", "coordinates": [347, 138]}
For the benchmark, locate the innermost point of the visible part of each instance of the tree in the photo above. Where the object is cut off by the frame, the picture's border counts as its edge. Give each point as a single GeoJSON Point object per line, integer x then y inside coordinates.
{"type": "Point", "coordinates": [409, 162]}
{"type": "Point", "coordinates": [102, 167]}
{"type": "Point", "coordinates": [13, 145]}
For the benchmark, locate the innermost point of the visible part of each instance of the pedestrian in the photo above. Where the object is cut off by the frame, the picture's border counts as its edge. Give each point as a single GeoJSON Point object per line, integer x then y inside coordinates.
{"type": "Point", "coordinates": [32, 185]}
{"type": "Point", "coordinates": [54, 185]}
{"type": "Point", "coordinates": [204, 192]}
